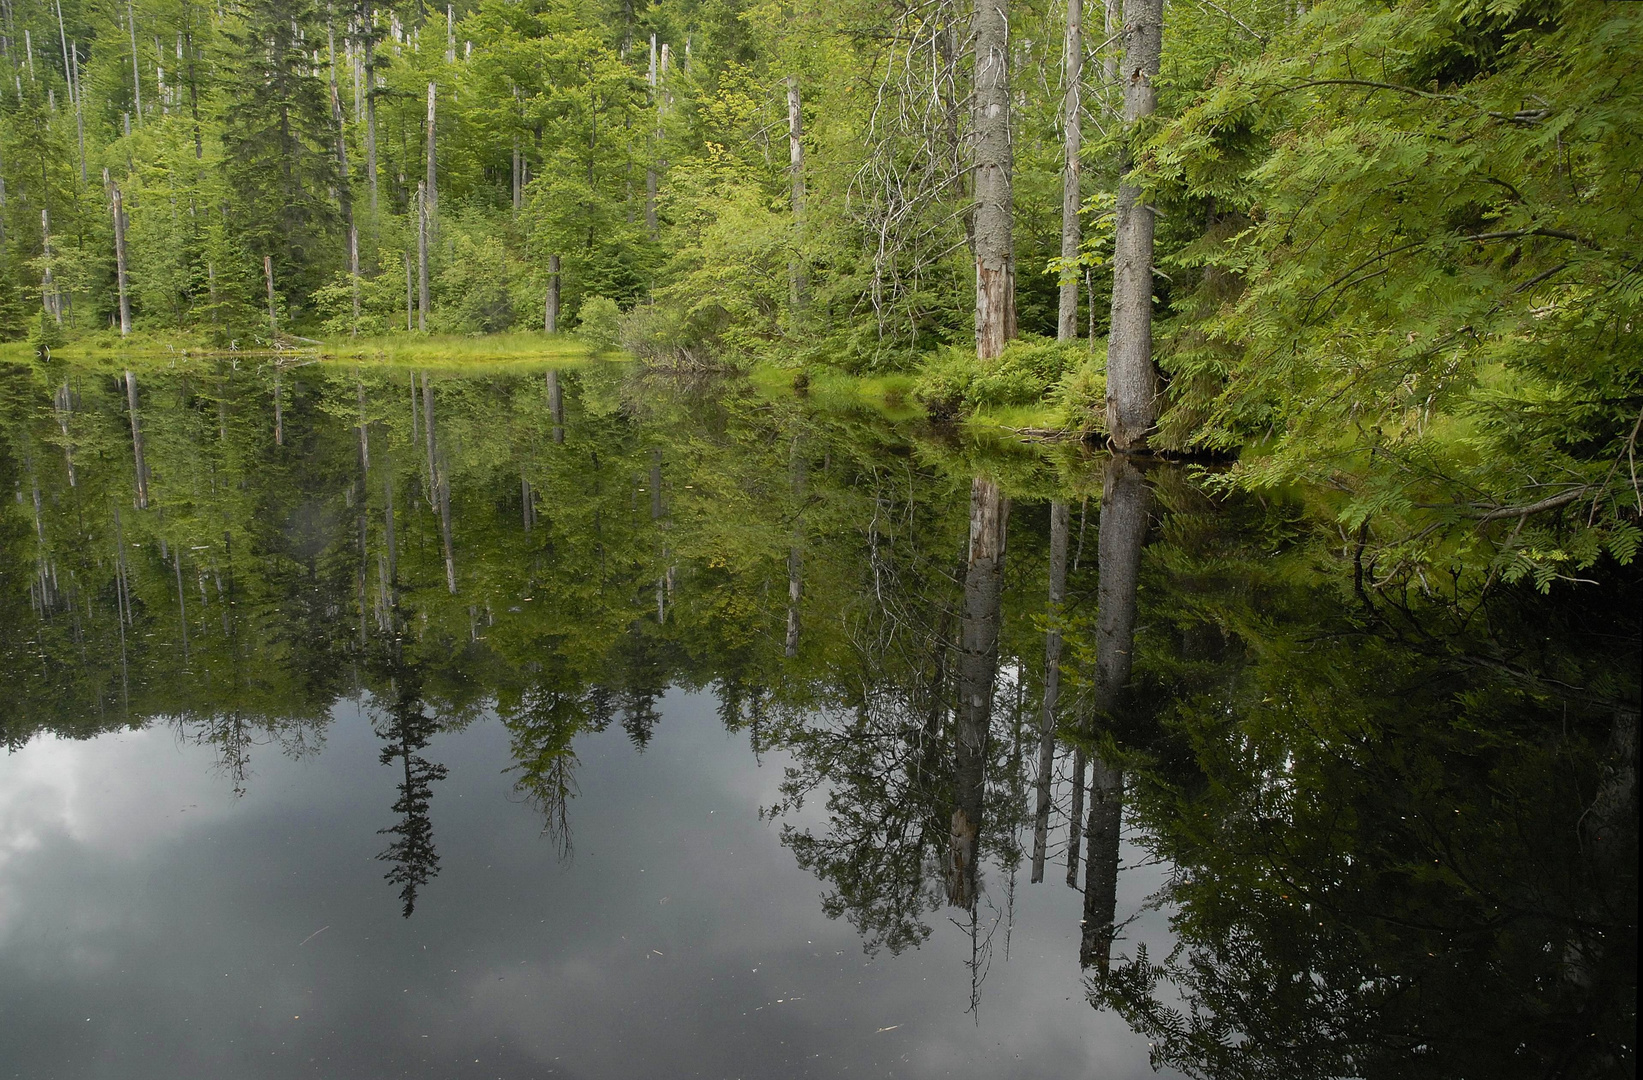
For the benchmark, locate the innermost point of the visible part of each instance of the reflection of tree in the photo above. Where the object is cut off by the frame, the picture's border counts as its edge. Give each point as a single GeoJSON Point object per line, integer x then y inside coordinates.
{"type": "Point", "coordinates": [543, 725]}
{"type": "Point", "coordinates": [1382, 837]}
{"type": "Point", "coordinates": [406, 731]}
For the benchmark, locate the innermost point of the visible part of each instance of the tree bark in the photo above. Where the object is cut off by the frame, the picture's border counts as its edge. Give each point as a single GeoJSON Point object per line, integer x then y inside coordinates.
{"type": "Point", "coordinates": [345, 196]}
{"type": "Point", "coordinates": [120, 253]}
{"type": "Point", "coordinates": [1071, 231]}
{"type": "Point", "coordinates": [369, 45]}
{"type": "Point", "coordinates": [353, 273]}
{"type": "Point", "coordinates": [1059, 518]}
{"type": "Point", "coordinates": [432, 201]}
{"type": "Point", "coordinates": [550, 306]}
{"type": "Point", "coordinates": [268, 276]}
{"type": "Point", "coordinates": [798, 286]}
{"type": "Point", "coordinates": [1131, 384]}
{"type": "Point", "coordinates": [422, 257]}
{"type": "Point", "coordinates": [650, 167]}
{"type": "Point", "coordinates": [410, 301]}
{"type": "Point", "coordinates": [994, 232]}
{"type": "Point", "coordinates": [137, 455]}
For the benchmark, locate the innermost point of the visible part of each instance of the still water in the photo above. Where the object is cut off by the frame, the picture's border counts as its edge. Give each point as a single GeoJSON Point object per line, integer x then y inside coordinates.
{"type": "Point", "coordinates": [575, 723]}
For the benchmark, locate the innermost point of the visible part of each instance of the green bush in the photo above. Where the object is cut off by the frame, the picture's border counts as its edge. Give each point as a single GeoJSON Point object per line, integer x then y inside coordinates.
{"type": "Point", "coordinates": [46, 334]}
{"type": "Point", "coordinates": [599, 323]}
{"type": "Point", "coordinates": [652, 332]}
{"type": "Point", "coordinates": [952, 381]}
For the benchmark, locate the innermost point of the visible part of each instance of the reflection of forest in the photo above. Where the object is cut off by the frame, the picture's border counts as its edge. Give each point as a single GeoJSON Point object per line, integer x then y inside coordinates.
{"type": "Point", "coordinates": [1401, 821]}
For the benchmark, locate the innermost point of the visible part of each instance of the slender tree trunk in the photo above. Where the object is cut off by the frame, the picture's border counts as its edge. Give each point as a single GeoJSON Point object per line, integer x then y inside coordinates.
{"type": "Point", "coordinates": [1059, 517]}
{"type": "Point", "coordinates": [1131, 384]}
{"type": "Point", "coordinates": [268, 276]}
{"type": "Point", "coordinates": [353, 274]}
{"type": "Point", "coordinates": [136, 73]}
{"type": "Point", "coordinates": [279, 408]}
{"type": "Point", "coordinates": [798, 286]}
{"type": "Point", "coordinates": [1075, 818]}
{"type": "Point", "coordinates": [650, 168]}
{"type": "Point", "coordinates": [120, 253]}
{"type": "Point", "coordinates": [410, 297]}
{"type": "Point", "coordinates": [440, 484]}
{"type": "Point", "coordinates": [518, 180]}
{"type": "Point", "coordinates": [368, 20]}
{"type": "Point", "coordinates": [345, 196]}
{"type": "Point", "coordinates": [432, 201]}
{"type": "Point", "coordinates": [795, 551]}
{"type": "Point", "coordinates": [994, 235]}
{"type": "Point", "coordinates": [137, 455]}
{"type": "Point", "coordinates": [550, 306]}
{"type": "Point", "coordinates": [48, 283]}
{"type": "Point", "coordinates": [1071, 232]}
{"type": "Point", "coordinates": [422, 258]}
{"type": "Point", "coordinates": [978, 667]}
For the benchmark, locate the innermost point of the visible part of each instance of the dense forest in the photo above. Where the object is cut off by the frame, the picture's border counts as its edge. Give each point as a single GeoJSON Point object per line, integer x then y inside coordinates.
{"type": "Point", "coordinates": [1385, 247]}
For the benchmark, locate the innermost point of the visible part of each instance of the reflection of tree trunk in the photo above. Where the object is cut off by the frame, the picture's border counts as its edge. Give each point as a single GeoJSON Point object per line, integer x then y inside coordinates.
{"type": "Point", "coordinates": [438, 483]}
{"type": "Point", "coordinates": [1052, 682]}
{"type": "Point", "coordinates": [1075, 819]}
{"type": "Point", "coordinates": [550, 303]}
{"type": "Point", "coordinates": [556, 406]}
{"type": "Point", "coordinates": [978, 664]}
{"type": "Point", "coordinates": [795, 555]}
{"type": "Point", "coordinates": [1124, 502]}
{"type": "Point", "coordinates": [137, 442]}
{"type": "Point", "coordinates": [65, 411]}
{"type": "Point", "coordinates": [655, 485]}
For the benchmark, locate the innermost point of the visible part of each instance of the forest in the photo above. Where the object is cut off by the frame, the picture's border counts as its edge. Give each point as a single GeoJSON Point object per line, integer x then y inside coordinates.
{"type": "Point", "coordinates": [1385, 247]}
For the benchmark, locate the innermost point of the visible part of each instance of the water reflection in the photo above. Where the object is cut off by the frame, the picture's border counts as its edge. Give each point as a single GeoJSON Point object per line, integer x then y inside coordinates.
{"type": "Point", "coordinates": [1398, 824]}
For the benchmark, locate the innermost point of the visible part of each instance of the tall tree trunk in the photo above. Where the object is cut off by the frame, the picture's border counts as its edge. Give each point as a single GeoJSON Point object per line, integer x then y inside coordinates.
{"type": "Point", "coordinates": [795, 551]}
{"type": "Point", "coordinates": [49, 297]}
{"type": "Point", "coordinates": [650, 167]}
{"type": "Point", "coordinates": [369, 45]}
{"type": "Point", "coordinates": [550, 306]}
{"type": "Point", "coordinates": [1059, 518]}
{"type": "Point", "coordinates": [1131, 385]}
{"type": "Point", "coordinates": [439, 484]}
{"type": "Point", "coordinates": [136, 73]}
{"type": "Point", "coordinates": [798, 286]}
{"type": "Point", "coordinates": [410, 298]}
{"type": "Point", "coordinates": [353, 274]}
{"type": "Point", "coordinates": [432, 201]}
{"type": "Point", "coordinates": [345, 196]}
{"type": "Point", "coordinates": [994, 230]}
{"type": "Point", "coordinates": [422, 257]}
{"type": "Point", "coordinates": [119, 253]}
{"type": "Point", "coordinates": [556, 406]}
{"type": "Point", "coordinates": [1071, 232]}
{"type": "Point", "coordinates": [978, 667]}
{"type": "Point", "coordinates": [268, 276]}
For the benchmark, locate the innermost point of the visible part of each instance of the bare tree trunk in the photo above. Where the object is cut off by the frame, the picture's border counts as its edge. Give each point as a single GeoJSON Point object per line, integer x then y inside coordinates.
{"type": "Point", "coordinates": [650, 168]}
{"type": "Point", "coordinates": [120, 253]}
{"type": "Point", "coordinates": [1102, 833]}
{"type": "Point", "coordinates": [978, 667]}
{"type": "Point", "coordinates": [410, 299]}
{"type": "Point", "coordinates": [279, 408]}
{"type": "Point", "coordinates": [268, 276]}
{"type": "Point", "coordinates": [556, 406]}
{"type": "Point", "coordinates": [137, 442]}
{"type": "Point", "coordinates": [798, 286]}
{"type": "Point", "coordinates": [518, 179]}
{"type": "Point", "coordinates": [48, 283]}
{"type": "Point", "coordinates": [1131, 385]}
{"type": "Point", "coordinates": [432, 201]}
{"type": "Point", "coordinates": [1071, 232]}
{"type": "Point", "coordinates": [368, 25]}
{"type": "Point", "coordinates": [1075, 818]}
{"type": "Point", "coordinates": [136, 74]}
{"type": "Point", "coordinates": [994, 231]}
{"type": "Point", "coordinates": [550, 306]}
{"type": "Point", "coordinates": [795, 552]}
{"type": "Point", "coordinates": [422, 257]}
{"type": "Point", "coordinates": [1059, 518]}
{"type": "Point", "coordinates": [345, 196]}
{"type": "Point", "coordinates": [439, 486]}
{"type": "Point", "coordinates": [353, 273]}
{"type": "Point", "coordinates": [364, 434]}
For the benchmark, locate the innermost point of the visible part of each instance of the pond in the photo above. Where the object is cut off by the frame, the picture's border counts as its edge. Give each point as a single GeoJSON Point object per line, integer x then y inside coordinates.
{"type": "Point", "coordinates": [577, 722]}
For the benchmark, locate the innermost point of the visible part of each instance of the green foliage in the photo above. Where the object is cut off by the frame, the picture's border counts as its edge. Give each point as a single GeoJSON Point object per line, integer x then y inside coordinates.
{"type": "Point", "coordinates": [45, 334]}
{"type": "Point", "coordinates": [599, 323]}
{"type": "Point", "coordinates": [952, 380]}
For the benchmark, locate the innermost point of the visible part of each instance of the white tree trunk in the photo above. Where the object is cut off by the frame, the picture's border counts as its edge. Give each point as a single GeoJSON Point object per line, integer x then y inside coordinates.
{"type": "Point", "coordinates": [994, 233]}
{"type": "Point", "coordinates": [1071, 232]}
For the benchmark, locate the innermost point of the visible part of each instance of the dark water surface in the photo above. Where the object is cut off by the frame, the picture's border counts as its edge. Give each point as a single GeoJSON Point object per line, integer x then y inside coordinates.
{"type": "Point", "coordinates": [519, 724]}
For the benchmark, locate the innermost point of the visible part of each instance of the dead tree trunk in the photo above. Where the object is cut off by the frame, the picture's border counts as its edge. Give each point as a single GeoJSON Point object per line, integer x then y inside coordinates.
{"type": "Point", "coordinates": [49, 296]}
{"type": "Point", "coordinates": [432, 200]}
{"type": "Point", "coordinates": [120, 253]}
{"type": "Point", "coordinates": [1131, 385]}
{"type": "Point", "coordinates": [650, 167]}
{"type": "Point", "coordinates": [798, 286]}
{"type": "Point", "coordinates": [369, 45]}
{"type": "Point", "coordinates": [1071, 232]}
{"type": "Point", "coordinates": [268, 276]}
{"type": "Point", "coordinates": [353, 274]}
{"type": "Point", "coordinates": [345, 196]}
{"type": "Point", "coordinates": [1059, 518]}
{"type": "Point", "coordinates": [994, 234]}
{"type": "Point", "coordinates": [410, 298]}
{"type": "Point", "coordinates": [422, 257]}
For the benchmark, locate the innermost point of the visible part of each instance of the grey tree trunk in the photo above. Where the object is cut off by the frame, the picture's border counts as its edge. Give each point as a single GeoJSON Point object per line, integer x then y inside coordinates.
{"type": "Point", "coordinates": [432, 201]}
{"type": "Point", "coordinates": [1131, 385]}
{"type": "Point", "coordinates": [345, 196]}
{"type": "Point", "coordinates": [518, 179]}
{"type": "Point", "coordinates": [136, 74]}
{"type": "Point", "coordinates": [279, 408]}
{"type": "Point", "coordinates": [137, 455]}
{"type": "Point", "coordinates": [439, 484]}
{"type": "Point", "coordinates": [1071, 231]}
{"type": "Point", "coordinates": [1075, 818]}
{"type": "Point", "coordinates": [353, 274]}
{"type": "Point", "coordinates": [795, 552]}
{"type": "Point", "coordinates": [650, 168]}
{"type": "Point", "coordinates": [798, 286]}
{"type": "Point", "coordinates": [994, 232]}
{"type": "Point", "coordinates": [268, 277]}
{"type": "Point", "coordinates": [422, 258]}
{"type": "Point", "coordinates": [120, 253]}
{"type": "Point", "coordinates": [370, 47]}
{"type": "Point", "coordinates": [410, 299]}
{"type": "Point", "coordinates": [1059, 518]}
{"type": "Point", "coordinates": [978, 666]}
{"type": "Point", "coordinates": [550, 306]}
{"type": "Point", "coordinates": [1123, 531]}
{"type": "Point", "coordinates": [49, 297]}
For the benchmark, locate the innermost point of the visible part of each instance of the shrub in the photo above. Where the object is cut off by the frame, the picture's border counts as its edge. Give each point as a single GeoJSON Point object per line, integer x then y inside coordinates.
{"type": "Point", "coordinates": [951, 381]}
{"type": "Point", "coordinates": [599, 323]}
{"type": "Point", "coordinates": [46, 334]}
